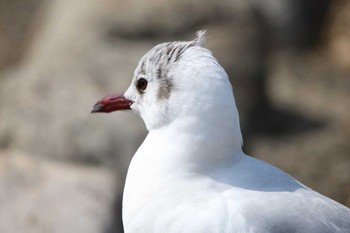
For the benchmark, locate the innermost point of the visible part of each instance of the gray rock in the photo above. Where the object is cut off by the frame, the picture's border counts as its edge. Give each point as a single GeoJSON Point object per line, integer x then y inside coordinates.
{"type": "Point", "coordinates": [52, 197]}
{"type": "Point", "coordinates": [16, 20]}
{"type": "Point", "coordinates": [46, 102]}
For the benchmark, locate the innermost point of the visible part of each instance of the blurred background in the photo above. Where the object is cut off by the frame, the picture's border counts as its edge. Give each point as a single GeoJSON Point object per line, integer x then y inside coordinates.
{"type": "Point", "coordinates": [63, 169]}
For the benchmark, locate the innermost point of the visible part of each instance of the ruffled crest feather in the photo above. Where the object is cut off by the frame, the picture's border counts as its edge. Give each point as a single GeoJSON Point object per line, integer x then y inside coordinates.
{"type": "Point", "coordinates": [201, 37]}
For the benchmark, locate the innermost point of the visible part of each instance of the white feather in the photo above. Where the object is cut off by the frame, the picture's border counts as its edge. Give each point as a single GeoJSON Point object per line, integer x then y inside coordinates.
{"type": "Point", "coordinates": [190, 174]}
{"type": "Point", "coordinates": [201, 37]}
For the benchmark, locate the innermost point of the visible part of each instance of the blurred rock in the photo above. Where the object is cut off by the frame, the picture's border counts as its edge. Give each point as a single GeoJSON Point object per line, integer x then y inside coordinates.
{"type": "Point", "coordinates": [45, 104]}
{"type": "Point", "coordinates": [338, 40]}
{"type": "Point", "coordinates": [152, 19]}
{"type": "Point", "coordinates": [16, 21]}
{"type": "Point", "coordinates": [310, 85]}
{"type": "Point", "coordinates": [49, 197]}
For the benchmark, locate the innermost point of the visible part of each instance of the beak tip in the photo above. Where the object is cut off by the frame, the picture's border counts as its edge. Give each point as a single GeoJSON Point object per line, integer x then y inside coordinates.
{"type": "Point", "coordinates": [98, 107]}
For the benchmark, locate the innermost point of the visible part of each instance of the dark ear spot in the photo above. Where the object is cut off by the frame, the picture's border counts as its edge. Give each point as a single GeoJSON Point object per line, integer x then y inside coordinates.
{"type": "Point", "coordinates": [165, 88]}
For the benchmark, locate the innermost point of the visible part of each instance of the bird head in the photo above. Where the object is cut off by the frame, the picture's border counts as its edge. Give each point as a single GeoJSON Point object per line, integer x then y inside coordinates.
{"type": "Point", "coordinates": [174, 81]}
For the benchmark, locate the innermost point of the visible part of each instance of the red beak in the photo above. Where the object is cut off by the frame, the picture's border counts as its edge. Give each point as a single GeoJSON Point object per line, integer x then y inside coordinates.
{"type": "Point", "coordinates": [112, 103]}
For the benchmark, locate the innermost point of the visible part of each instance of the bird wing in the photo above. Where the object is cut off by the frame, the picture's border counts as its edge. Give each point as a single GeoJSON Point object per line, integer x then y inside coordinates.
{"type": "Point", "coordinates": [284, 212]}
{"type": "Point", "coordinates": [270, 201]}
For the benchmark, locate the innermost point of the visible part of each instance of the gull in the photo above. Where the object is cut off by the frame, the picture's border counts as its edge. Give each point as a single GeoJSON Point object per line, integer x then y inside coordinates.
{"type": "Point", "coordinates": [190, 174]}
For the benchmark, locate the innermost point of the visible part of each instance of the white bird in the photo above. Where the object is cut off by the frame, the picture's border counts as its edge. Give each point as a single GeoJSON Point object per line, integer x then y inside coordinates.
{"type": "Point", "coordinates": [190, 174]}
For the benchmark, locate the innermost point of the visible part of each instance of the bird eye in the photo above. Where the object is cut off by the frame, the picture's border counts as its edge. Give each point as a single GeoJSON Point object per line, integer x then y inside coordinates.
{"type": "Point", "coordinates": [141, 84]}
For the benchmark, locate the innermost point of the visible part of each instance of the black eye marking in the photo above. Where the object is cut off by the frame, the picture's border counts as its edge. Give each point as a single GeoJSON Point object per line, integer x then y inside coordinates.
{"type": "Point", "coordinates": [169, 47]}
{"type": "Point", "coordinates": [141, 85]}
{"type": "Point", "coordinates": [159, 73]}
{"type": "Point", "coordinates": [143, 68]}
{"type": "Point", "coordinates": [172, 53]}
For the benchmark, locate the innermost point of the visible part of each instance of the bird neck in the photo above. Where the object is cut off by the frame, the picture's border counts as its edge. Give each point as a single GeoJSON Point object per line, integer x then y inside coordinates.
{"type": "Point", "coordinates": [197, 143]}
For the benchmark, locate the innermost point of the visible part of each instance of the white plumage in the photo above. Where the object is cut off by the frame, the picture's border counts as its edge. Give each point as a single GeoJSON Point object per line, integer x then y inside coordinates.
{"type": "Point", "coordinates": [190, 174]}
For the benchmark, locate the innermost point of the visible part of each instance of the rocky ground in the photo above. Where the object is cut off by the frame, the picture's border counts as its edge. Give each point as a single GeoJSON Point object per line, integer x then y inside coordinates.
{"type": "Point", "coordinates": [62, 169]}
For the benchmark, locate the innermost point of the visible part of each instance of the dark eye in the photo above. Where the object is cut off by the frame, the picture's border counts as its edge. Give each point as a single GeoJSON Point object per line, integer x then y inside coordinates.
{"type": "Point", "coordinates": [141, 84]}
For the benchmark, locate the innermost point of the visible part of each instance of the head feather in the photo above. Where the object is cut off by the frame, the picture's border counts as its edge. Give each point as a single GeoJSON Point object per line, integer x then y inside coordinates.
{"type": "Point", "coordinates": [201, 37]}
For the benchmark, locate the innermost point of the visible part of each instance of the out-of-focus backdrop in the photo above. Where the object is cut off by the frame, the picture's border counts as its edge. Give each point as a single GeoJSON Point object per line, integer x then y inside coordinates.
{"type": "Point", "coordinates": [62, 169]}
